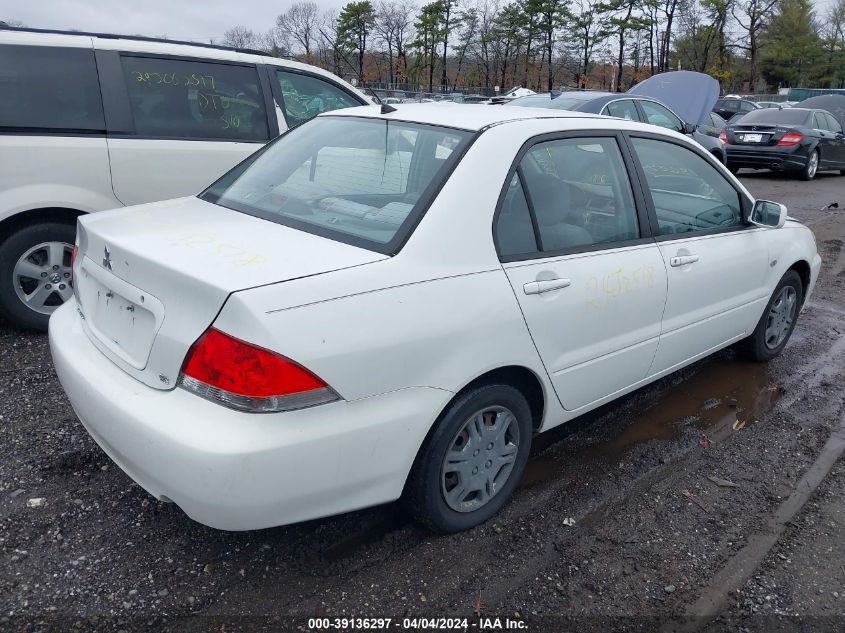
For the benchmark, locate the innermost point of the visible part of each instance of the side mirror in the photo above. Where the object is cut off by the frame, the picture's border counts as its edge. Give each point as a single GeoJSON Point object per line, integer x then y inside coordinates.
{"type": "Point", "coordinates": [768, 214]}
{"type": "Point", "coordinates": [689, 128]}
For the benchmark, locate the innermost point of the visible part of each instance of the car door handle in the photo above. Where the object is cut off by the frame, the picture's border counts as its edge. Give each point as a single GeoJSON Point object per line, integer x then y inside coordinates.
{"type": "Point", "coordinates": [683, 260]}
{"type": "Point", "coordinates": [547, 285]}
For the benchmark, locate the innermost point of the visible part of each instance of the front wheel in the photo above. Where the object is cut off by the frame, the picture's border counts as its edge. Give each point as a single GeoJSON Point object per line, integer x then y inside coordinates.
{"type": "Point", "coordinates": [778, 321]}
{"type": "Point", "coordinates": [812, 166]}
{"type": "Point", "coordinates": [35, 274]}
{"type": "Point", "coordinates": [469, 467]}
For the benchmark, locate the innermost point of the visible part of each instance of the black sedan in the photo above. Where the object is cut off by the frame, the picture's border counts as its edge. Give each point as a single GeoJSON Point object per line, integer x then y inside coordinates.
{"type": "Point", "coordinates": [729, 107]}
{"type": "Point", "coordinates": [797, 140]}
{"type": "Point", "coordinates": [623, 106]}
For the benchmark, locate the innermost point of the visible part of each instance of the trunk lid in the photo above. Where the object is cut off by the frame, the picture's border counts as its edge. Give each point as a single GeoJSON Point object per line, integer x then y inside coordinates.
{"type": "Point", "coordinates": [755, 134]}
{"type": "Point", "coordinates": [150, 279]}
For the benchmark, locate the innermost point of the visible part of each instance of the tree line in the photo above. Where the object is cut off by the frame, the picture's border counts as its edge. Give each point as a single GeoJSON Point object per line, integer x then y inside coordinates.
{"type": "Point", "coordinates": [748, 45]}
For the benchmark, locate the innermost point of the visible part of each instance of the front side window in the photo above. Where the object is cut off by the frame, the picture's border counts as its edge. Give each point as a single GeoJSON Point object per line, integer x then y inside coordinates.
{"type": "Point", "coordinates": [624, 109]}
{"type": "Point", "coordinates": [362, 181]}
{"type": "Point", "coordinates": [689, 193]}
{"type": "Point", "coordinates": [305, 97]}
{"type": "Point", "coordinates": [656, 114]}
{"type": "Point", "coordinates": [578, 193]}
{"type": "Point", "coordinates": [50, 88]}
{"type": "Point", "coordinates": [174, 98]}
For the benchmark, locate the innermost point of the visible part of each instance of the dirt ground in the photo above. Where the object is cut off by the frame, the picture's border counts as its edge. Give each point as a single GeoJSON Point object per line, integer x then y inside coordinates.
{"type": "Point", "coordinates": [653, 540]}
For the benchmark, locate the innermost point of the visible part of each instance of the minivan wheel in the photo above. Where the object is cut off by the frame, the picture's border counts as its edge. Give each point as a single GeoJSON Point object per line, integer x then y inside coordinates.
{"type": "Point", "coordinates": [473, 460]}
{"type": "Point", "coordinates": [778, 321]}
{"type": "Point", "coordinates": [35, 274]}
{"type": "Point", "coordinates": [812, 166]}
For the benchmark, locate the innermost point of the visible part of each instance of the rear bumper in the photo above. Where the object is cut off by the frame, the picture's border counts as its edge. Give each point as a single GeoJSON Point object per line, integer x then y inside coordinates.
{"type": "Point", "coordinates": [765, 158]}
{"type": "Point", "coordinates": [238, 471]}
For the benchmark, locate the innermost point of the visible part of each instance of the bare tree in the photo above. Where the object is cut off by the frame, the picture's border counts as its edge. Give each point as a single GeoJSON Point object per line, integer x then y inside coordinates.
{"type": "Point", "coordinates": [240, 37]}
{"type": "Point", "coordinates": [752, 17]}
{"type": "Point", "coordinates": [394, 28]}
{"type": "Point", "coordinates": [300, 24]}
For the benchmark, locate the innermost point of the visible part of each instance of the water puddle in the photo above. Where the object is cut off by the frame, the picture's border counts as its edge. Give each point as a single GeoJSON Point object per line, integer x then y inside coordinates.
{"type": "Point", "coordinates": [722, 397]}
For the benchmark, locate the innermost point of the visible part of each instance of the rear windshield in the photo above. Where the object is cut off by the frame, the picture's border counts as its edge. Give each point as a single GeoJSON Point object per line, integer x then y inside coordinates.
{"type": "Point", "coordinates": [360, 181]}
{"type": "Point", "coordinates": [775, 117]}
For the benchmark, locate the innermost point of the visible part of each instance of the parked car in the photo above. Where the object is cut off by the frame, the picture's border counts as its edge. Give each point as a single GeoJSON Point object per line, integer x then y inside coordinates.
{"type": "Point", "coordinates": [712, 125]}
{"type": "Point", "coordinates": [728, 107]}
{"type": "Point", "coordinates": [797, 140]}
{"type": "Point", "coordinates": [90, 122]}
{"type": "Point", "coordinates": [624, 106]}
{"type": "Point", "coordinates": [319, 331]}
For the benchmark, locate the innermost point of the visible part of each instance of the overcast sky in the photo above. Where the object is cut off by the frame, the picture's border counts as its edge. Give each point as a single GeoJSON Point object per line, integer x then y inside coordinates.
{"type": "Point", "coordinates": [198, 20]}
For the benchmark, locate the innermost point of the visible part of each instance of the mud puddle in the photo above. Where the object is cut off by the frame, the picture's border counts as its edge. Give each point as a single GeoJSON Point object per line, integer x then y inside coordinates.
{"type": "Point", "coordinates": [722, 397]}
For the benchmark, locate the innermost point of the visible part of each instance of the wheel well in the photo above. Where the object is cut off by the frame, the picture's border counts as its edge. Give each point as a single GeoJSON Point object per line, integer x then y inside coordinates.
{"type": "Point", "coordinates": [803, 270]}
{"type": "Point", "coordinates": [520, 378]}
{"type": "Point", "coordinates": [35, 216]}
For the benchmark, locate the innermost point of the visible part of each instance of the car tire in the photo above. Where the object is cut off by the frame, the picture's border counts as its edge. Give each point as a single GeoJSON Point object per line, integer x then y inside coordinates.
{"type": "Point", "coordinates": [32, 244]}
{"type": "Point", "coordinates": [778, 321]}
{"type": "Point", "coordinates": [811, 168]}
{"type": "Point", "coordinates": [434, 494]}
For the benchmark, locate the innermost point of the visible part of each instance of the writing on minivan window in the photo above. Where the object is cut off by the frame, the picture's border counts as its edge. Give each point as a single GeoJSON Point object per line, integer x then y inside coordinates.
{"type": "Point", "coordinates": [171, 79]}
{"type": "Point", "coordinates": [181, 98]}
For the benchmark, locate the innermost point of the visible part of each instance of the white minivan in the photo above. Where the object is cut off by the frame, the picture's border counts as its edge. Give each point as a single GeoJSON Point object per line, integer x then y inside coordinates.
{"type": "Point", "coordinates": [90, 122]}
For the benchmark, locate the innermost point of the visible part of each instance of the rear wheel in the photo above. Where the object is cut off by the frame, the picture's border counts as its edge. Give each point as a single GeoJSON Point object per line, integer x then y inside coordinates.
{"type": "Point", "coordinates": [778, 321]}
{"type": "Point", "coordinates": [472, 462]}
{"type": "Point", "coordinates": [812, 166]}
{"type": "Point", "coordinates": [35, 273]}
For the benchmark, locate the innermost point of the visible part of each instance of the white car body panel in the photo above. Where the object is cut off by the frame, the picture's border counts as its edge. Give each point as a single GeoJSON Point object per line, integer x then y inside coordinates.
{"type": "Point", "coordinates": [69, 172]}
{"type": "Point", "coordinates": [395, 336]}
{"type": "Point", "coordinates": [734, 299]}
{"type": "Point", "coordinates": [585, 345]}
{"type": "Point", "coordinates": [143, 170]}
{"type": "Point", "coordinates": [203, 253]}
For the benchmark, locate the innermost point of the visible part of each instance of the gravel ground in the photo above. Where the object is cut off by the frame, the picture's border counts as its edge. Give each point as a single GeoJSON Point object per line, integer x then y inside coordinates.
{"type": "Point", "coordinates": [618, 524]}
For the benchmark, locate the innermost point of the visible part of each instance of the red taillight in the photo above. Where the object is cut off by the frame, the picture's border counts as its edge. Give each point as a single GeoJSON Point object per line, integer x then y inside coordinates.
{"type": "Point", "coordinates": [723, 136]}
{"type": "Point", "coordinates": [243, 376]}
{"type": "Point", "coordinates": [791, 138]}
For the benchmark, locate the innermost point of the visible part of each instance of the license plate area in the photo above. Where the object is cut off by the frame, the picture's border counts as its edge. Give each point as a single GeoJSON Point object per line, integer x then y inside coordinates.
{"type": "Point", "coordinates": [752, 138]}
{"type": "Point", "coordinates": [123, 318]}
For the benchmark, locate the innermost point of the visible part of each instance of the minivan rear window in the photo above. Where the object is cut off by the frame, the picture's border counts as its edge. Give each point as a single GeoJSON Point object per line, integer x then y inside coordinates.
{"type": "Point", "coordinates": [49, 88]}
{"type": "Point", "coordinates": [176, 98]}
{"type": "Point", "coordinates": [358, 180]}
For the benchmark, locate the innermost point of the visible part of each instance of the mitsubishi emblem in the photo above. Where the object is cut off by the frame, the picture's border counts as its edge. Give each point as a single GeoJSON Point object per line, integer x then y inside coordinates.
{"type": "Point", "coordinates": [107, 258]}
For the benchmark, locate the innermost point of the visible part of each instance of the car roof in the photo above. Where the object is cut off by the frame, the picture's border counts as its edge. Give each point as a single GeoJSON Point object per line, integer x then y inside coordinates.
{"type": "Point", "coordinates": [457, 116]}
{"type": "Point", "coordinates": [478, 119]}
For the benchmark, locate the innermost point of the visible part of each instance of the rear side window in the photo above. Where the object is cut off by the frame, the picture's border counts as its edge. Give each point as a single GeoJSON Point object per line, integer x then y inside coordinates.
{"type": "Point", "coordinates": [819, 121]}
{"type": "Point", "coordinates": [174, 98]}
{"type": "Point", "coordinates": [305, 97]}
{"type": "Point", "coordinates": [832, 124]}
{"type": "Point", "coordinates": [49, 88]}
{"type": "Point", "coordinates": [623, 109]}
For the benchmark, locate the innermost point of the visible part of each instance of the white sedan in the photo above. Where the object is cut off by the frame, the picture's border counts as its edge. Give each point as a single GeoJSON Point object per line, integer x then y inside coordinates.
{"type": "Point", "coordinates": [390, 303]}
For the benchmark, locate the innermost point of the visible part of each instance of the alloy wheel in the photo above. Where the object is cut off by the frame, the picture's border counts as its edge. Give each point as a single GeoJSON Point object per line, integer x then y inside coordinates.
{"type": "Point", "coordinates": [781, 316]}
{"type": "Point", "coordinates": [42, 276]}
